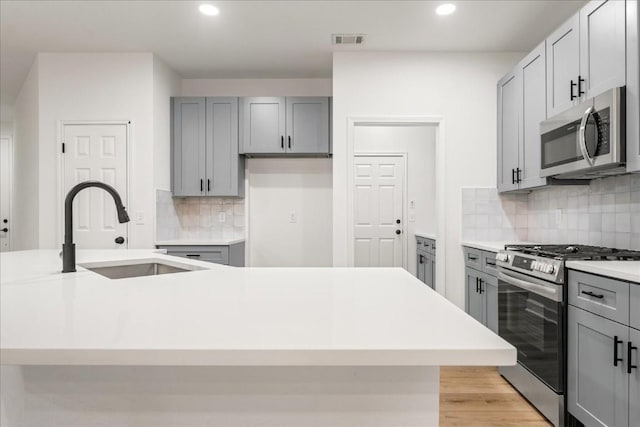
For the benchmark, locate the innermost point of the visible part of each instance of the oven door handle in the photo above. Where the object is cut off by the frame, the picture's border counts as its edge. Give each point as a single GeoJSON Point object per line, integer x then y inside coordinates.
{"type": "Point", "coordinates": [582, 139]}
{"type": "Point", "coordinates": [542, 290]}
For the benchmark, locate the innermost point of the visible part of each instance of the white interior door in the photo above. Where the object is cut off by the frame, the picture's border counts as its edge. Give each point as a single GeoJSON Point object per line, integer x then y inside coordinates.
{"type": "Point", "coordinates": [378, 211]}
{"type": "Point", "coordinates": [6, 223]}
{"type": "Point", "coordinates": [98, 153]}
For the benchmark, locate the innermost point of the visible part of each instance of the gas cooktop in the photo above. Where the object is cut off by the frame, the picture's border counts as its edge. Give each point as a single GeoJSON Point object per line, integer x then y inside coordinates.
{"type": "Point", "coordinates": [575, 252]}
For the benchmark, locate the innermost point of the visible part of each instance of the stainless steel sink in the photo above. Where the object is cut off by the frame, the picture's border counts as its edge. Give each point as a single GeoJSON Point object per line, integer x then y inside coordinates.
{"type": "Point", "coordinates": [139, 270]}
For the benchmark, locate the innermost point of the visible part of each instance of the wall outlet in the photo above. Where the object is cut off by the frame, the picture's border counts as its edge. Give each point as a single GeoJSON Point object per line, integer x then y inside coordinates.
{"type": "Point", "coordinates": [558, 218]}
{"type": "Point", "coordinates": [139, 218]}
{"type": "Point", "coordinates": [293, 217]}
{"type": "Point", "coordinates": [222, 217]}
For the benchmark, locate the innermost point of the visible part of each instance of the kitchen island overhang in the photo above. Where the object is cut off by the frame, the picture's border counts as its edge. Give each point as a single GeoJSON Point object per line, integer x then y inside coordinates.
{"type": "Point", "coordinates": [307, 346]}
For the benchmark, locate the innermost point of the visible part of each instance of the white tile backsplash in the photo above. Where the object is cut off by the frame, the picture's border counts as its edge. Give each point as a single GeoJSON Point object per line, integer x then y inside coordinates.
{"type": "Point", "coordinates": [605, 212]}
{"type": "Point", "coordinates": [198, 217]}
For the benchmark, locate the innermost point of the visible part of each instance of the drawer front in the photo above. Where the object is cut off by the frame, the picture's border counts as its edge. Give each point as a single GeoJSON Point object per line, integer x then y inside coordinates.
{"type": "Point", "coordinates": [600, 295]}
{"type": "Point", "coordinates": [634, 315]}
{"type": "Point", "coordinates": [473, 258]}
{"type": "Point", "coordinates": [216, 254]}
{"type": "Point", "coordinates": [489, 263]}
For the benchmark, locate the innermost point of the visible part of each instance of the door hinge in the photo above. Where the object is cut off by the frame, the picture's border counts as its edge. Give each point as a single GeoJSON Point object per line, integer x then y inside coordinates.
{"type": "Point", "coordinates": [63, 148]}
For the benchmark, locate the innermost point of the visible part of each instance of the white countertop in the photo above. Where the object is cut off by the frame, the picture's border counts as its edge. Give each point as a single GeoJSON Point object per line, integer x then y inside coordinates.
{"type": "Point", "coordinates": [431, 236]}
{"type": "Point", "coordinates": [486, 246]}
{"type": "Point", "coordinates": [623, 270]}
{"type": "Point", "coordinates": [228, 316]}
{"type": "Point", "coordinates": [200, 242]}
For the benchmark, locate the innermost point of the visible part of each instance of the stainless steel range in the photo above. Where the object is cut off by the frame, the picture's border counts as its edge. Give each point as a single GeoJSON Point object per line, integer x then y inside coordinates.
{"type": "Point", "coordinates": [532, 317]}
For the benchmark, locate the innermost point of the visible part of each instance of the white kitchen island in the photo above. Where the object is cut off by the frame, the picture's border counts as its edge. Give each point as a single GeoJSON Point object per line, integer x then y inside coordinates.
{"type": "Point", "coordinates": [226, 346]}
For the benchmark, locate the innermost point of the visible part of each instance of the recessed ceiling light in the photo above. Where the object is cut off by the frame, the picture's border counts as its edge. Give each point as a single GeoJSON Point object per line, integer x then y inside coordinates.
{"type": "Point", "coordinates": [446, 9]}
{"type": "Point", "coordinates": [209, 9]}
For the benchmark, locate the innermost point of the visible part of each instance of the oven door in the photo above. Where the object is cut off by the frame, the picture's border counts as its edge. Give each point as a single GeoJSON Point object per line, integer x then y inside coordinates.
{"type": "Point", "coordinates": [531, 318]}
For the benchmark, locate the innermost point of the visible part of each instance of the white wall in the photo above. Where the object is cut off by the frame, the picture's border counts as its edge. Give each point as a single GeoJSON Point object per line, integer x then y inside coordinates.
{"type": "Point", "coordinates": [275, 187]}
{"type": "Point", "coordinates": [419, 144]}
{"type": "Point", "coordinates": [166, 83]}
{"type": "Point", "coordinates": [25, 161]}
{"type": "Point", "coordinates": [279, 187]}
{"type": "Point", "coordinates": [97, 86]}
{"type": "Point", "coordinates": [461, 87]}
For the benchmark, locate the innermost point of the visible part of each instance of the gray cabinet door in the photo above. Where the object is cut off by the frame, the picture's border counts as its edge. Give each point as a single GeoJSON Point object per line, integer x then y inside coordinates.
{"type": "Point", "coordinates": [428, 270]}
{"type": "Point", "coordinates": [508, 137]}
{"type": "Point", "coordinates": [563, 66]}
{"type": "Point", "coordinates": [490, 288]}
{"type": "Point", "coordinates": [225, 168]}
{"type": "Point", "coordinates": [263, 125]}
{"type": "Point", "coordinates": [433, 271]}
{"type": "Point", "coordinates": [634, 377]}
{"type": "Point", "coordinates": [307, 125]}
{"type": "Point", "coordinates": [188, 146]}
{"type": "Point", "coordinates": [597, 391]}
{"type": "Point", "coordinates": [533, 110]}
{"type": "Point", "coordinates": [420, 266]}
{"type": "Point", "coordinates": [475, 299]}
{"type": "Point", "coordinates": [602, 46]}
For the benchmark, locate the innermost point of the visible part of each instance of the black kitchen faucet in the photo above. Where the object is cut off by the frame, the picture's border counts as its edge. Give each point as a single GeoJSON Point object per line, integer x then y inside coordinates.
{"type": "Point", "coordinates": [69, 248]}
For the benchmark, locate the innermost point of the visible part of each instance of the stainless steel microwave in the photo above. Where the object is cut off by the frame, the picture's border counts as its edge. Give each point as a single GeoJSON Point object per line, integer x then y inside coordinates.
{"type": "Point", "coordinates": [587, 140]}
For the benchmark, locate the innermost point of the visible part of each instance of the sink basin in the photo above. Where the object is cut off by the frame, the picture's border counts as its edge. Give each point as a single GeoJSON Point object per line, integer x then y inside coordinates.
{"type": "Point", "coordinates": [152, 268]}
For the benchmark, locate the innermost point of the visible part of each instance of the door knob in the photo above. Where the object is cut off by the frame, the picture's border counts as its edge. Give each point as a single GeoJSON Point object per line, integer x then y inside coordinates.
{"type": "Point", "coordinates": [4, 230]}
{"type": "Point", "coordinates": [119, 240]}
{"type": "Point", "coordinates": [398, 231]}
{"type": "Point", "coordinates": [397, 221]}
{"type": "Point", "coordinates": [5, 220]}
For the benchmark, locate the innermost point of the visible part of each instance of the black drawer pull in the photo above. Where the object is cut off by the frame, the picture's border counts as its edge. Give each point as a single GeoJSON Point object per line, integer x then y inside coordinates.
{"type": "Point", "coordinates": [477, 284]}
{"type": "Point", "coordinates": [472, 258]}
{"type": "Point", "coordinates": [591, 294]}
{"type": "Point", "coordinates": [492, 264]}
{"type": "Point", "coordinates": [630, 348]}
{"type": "Point", "coordinates": [201, 185]}
{"type": "Point", "coordinates": [289, 142]}
{"type": "Point", "coordinates": [193, 255]}
{"type": "Point", "coordinates": [208, 184]}
{"type": "Point", "coordinates": [282, 142]}
{"type": "Point", "coordinates": [616, 359]}
{"type": "Point", "coordinates": [481, 290]}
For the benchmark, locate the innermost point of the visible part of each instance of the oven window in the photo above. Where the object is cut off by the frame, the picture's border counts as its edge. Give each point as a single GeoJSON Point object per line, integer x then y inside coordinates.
{"type": "Point", "coordinates": [534, 325]}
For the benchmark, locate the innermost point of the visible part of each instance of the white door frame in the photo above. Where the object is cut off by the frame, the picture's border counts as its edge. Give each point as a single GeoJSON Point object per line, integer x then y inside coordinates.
{"type": "Point", "coordinates": [438, 121]}
{"type": "Point", "coordinates": [12, 217]}
{"type": "Point", "coordinates": [403, 156]}
{"type": "Point", "coordinates": [61, 193]}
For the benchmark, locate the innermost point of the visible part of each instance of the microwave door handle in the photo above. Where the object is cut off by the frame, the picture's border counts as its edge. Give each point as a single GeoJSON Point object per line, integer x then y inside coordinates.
{"type": "Point", "coordinates": [582, 140]}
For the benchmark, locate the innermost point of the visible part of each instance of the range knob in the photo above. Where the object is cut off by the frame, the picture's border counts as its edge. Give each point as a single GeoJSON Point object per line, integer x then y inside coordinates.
{"type": "Point", "coordinates": [548, 268]}
{"type": "Point", "coordinates": [502, 257]}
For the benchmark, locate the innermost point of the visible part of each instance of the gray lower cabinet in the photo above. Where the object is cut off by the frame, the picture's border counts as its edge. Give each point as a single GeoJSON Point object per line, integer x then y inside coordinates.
{"type": "Point", "coordinates": [481, 284]}
{"type": "Point", "coordinates": [603, 379]}
{"type": "Point", "coordinates": [426, 261]}
{"type": "Point", "coordinates": [272, 126]}
{"type": "Point", "coordinates": [220, 254]}
{"type": "Point", "coordinates": [204, 157]}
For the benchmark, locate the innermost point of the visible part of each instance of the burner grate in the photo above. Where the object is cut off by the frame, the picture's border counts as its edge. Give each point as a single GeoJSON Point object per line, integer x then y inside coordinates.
{"type": "Point", "coordinates": [576, 252]}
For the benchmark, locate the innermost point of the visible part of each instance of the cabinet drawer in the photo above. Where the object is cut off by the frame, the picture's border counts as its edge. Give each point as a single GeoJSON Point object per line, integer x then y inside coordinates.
{"type": "Point", "coordinates": [473, 258]}
{"type": "Point", "coordinates": [634, 315]}
{"type": "Point", "coordinates": [215, 254]}
{"type": "Point", "coordinates": [600, 295]}
{"type": "Point", "coordinates": [489, 263]}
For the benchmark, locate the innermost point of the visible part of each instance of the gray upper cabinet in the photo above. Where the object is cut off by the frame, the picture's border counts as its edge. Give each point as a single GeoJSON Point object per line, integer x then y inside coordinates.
{"type": "Point", "coordinates": [533, 110]}
{"type": "Point", "coordinates": [633, 87]}
{"type": "Point", "coordinates": [205, 159]}
{"type": "Point", "coordinates": [508, 132]}
{"type": "Point", "coordinates": [263, 121]}
{"type": "Point", "coordinates": [188, 165]}
{"type": "Point", "coordinates": [563, 66]}
{"type": "Point", "coordinates": [597, 390]}
{"type": "Point", "coordinates": [307, 125]}
{"type": "Point", "coordinates": [285, 126]}
{"type": "Point", "coordinates": [225, 168]}
{"type": "Point", "coordinates": [602, 46]}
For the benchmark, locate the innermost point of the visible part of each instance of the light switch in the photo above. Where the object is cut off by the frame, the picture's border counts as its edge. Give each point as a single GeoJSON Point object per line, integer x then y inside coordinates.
{"type": "Point", "coordinates": [139, 217]}
{"type": "Point", "coordinates": [293, 217]}
{"type": "Point", "coordinates": [412, 204]}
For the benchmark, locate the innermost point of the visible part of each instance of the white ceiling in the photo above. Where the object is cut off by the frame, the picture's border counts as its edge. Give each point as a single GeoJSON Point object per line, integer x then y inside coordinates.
{"type": "Point", "coordinates": [261, 39]}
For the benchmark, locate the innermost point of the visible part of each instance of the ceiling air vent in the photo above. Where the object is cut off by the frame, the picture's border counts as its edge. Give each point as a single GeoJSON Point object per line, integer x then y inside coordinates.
{"type": "Point", "coordinates": [347, 38]}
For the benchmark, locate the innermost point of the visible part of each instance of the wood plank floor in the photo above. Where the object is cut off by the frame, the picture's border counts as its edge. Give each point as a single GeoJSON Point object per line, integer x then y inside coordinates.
{"type": "Point", "coordinates": [479, 397]}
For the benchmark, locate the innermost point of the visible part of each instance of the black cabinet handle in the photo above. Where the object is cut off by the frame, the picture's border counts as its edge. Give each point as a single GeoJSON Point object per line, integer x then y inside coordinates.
{"type": "Point", "coordinates": [471, 257]}
{"type": "Point", "coordinates": [208, 184]}
{"type": "Point", "coordinates": [630, 348]}
{"type": "Point", "coordinates": [580, 81]}
{"type": "Point", "coordinates": [477, 284]}
{"type": "Point", "coordinates": [513, 176]}
{"type": "Point", "coordinates": [591, 294]}
{"type": "Point", "coordinates": [201, 185]}
{"type": "Point", "coordinates": [481, 291]}
{"type": "Point", "coordinates": [282, 142]}
{"type": "Point", "coordinates": [573, 84]}
{"type": "Point", "coordinates": [492, 264]}
{"type": "Point", "coordinates": [616, 359]}
{"type": "Point", "coordinates": [193, 255]}
{"type": "Point", "coordinates": [518, 179]}
{"type": "Point", "coordinates": [289, 142]}
{"type": "Point", "coordinates": [421, 259]}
